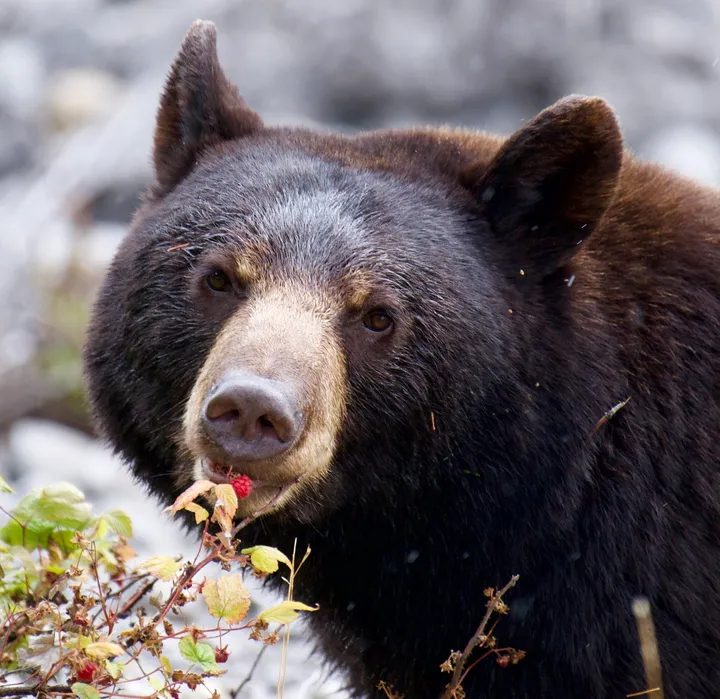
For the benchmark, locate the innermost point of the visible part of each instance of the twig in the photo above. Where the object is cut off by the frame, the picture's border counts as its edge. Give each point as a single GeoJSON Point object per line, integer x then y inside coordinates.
{"type": "Point", "coordinates": [609, 415]}
{"type": "Point", "coordinates": [286, 635]}
{"type": "Point", "coordinates": [137, 596]}
{"type": "Point", "coordinates": [648, 646]}
{"type": "Point", "coordinates": [101, 593]}
{"type": "Point", "coordinates": [389, 691]}
{"type": "Point", "coordinates": [248, 678]}
{"type": "Point", "coordinates": [644, 693]}
{"type": "Point", "coordinates": [478, 638]}
{"type": "Point", "coordinates": [24, 690]}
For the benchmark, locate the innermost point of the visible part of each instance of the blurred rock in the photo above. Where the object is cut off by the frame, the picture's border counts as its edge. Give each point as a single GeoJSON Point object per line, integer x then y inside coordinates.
{"type": "Point", "coordinates": [691, 150]}
{"type": "Point", "coordinates": [81, 95]}
{"type": "Point", "coordinates": [96, 248]}
{"type": "Point", "coordinates": [22, 78]}
{"type": "Point", "coordinates": [44, 450]}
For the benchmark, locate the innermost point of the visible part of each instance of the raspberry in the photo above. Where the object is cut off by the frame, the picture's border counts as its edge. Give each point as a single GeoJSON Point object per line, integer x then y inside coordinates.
{"type": "Point", "coordinates": [87, 672]}
{"type": "Point", "coordinates": [242, 485]}
{"type": "Point", "coordinates": [221, 654]}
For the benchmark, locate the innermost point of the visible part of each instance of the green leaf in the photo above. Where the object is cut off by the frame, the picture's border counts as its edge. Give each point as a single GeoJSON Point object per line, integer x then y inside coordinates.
{"type": "Point", "coordinates": [4, 487]}
{"type": "Point", "coordinates": [200, 653]}
{"type": "Point", "coordinates": [85, 691]}
{"type": "Point", "coordinates": [61, 504]}
{"type": "Point", "coordinates": [285, 612]}
{"type": "Point", "coordinates": [227, 598]}
{"type": "Point", "coordinates": [265, 558]}
{"type": "Point", "coordinates": [34, 534]}
{"type": "Point", "coordinates": [63, 492]}
{"type": "Point", "coordinates": [118, 522]}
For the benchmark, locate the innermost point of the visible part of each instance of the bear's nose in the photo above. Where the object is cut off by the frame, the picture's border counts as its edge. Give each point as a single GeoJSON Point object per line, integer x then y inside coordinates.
{"type": "Point", "coordinates": [252, 417]}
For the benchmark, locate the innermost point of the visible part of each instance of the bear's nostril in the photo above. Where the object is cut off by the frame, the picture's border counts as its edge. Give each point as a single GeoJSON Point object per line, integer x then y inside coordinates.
{"type": "Point", "coordinates": [228, 416]}
{"type": "Point", "coordinates": [266, 426]}
{"type": "Point", "coordinates": [222, 407]}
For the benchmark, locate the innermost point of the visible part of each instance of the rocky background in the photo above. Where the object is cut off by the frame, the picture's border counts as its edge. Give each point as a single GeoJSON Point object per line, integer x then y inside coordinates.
{"type": "Point", "coordinates": [79, 82]}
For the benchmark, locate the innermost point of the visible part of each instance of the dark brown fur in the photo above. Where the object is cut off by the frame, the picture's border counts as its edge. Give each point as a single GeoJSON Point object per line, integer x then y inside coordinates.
{"type": "Point", "coordinates": [537, 282]}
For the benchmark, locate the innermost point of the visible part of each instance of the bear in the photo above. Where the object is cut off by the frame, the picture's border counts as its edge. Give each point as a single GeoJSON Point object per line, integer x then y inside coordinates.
{"type": "Point", "coordinates": [443, 358]}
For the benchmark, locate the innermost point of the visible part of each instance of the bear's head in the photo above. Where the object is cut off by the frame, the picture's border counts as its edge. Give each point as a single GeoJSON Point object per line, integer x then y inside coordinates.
{"type": "Point", "coordinates": [332, 315]}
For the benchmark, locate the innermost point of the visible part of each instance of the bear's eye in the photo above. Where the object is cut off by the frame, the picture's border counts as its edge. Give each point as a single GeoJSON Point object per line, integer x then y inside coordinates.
{"type": "Point", "coordinates": [378, 320]}
{"type": "Point", "coordinates": [218, 281]}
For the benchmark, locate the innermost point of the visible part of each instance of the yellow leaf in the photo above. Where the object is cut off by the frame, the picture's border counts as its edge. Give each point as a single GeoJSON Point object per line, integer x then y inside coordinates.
{"type": "Point", "coordinates": [227, 598]}
{"type": "Point", "coordinates": [285, 612]}
{"type": "Point", "coordinates": [4, 487]}
{"type": "Point", "coordinates": [201, 514]}
{"type": "Point", "coordinates": [265, 558]}
{"type": "Point", "coordinates": [189, 495]}
{"type": "Point", "coordinates": [226, 506]}
{"type": "Point", "coordinates": [157, 683]}
{"type": "Point", "coordinates": [103, 649]}
{"type": "Point", "coordinates": [115, 670]}
{"type": "Point", "coordinates": [163, 567]}
{"type": "Point", "coordinates": [165, 664]}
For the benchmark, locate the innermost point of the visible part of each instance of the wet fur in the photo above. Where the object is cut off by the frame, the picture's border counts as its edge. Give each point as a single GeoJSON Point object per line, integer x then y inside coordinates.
{"type": "Point", "coordinates": [619, 296]}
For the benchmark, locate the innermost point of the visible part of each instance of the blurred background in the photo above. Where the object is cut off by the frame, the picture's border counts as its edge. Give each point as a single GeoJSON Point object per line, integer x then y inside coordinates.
{"type": "Point", "coordinates": [79, 84]}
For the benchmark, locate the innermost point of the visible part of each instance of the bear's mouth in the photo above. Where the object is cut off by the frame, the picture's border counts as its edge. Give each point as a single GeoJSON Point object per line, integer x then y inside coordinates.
{"type": "Point", "coordinates": [217, 473]}
{"type": "Point", "coordinates": [264, 495]}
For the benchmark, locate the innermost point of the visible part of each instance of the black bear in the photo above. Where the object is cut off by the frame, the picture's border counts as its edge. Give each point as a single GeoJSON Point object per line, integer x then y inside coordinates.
{"type": "Point", "coordinates": [469, 357]}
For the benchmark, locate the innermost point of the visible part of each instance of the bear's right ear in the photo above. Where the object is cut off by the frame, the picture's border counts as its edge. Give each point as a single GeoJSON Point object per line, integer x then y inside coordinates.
{"type": "Point", "coordinates": [199, 108]}
{"type": "Point", "coordinates": [550, 183]}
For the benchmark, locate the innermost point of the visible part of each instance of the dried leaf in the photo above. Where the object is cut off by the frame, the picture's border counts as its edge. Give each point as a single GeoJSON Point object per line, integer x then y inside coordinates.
{"type": "Point", "coordinates": [189, 495]}
{"type": "Point", "coordinates": [101, 650]}
{"type": "Point", "coordinates": [226, 506]}
{"type": "Point", "coordinates": [201, 514]}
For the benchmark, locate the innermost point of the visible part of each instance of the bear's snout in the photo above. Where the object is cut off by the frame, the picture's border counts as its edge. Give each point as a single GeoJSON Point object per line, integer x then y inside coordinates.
{"type": "Point", "coordinates": [251, 417]}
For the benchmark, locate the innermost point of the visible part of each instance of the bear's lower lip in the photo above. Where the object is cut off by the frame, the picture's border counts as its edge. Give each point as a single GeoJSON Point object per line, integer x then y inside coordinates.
{"type": "Point", "coordinates": [220, 474]}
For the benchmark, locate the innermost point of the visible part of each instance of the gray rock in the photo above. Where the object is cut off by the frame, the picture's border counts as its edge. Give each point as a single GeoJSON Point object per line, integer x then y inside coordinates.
{"type": "Point", "coordinates": [689, 149]}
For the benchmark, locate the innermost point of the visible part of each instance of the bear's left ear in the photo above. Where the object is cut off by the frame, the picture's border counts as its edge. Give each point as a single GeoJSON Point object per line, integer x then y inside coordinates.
{"type": "Point", "coordinates": [551, 182]}
{"type": "Point", "coordinates": [199, 108]}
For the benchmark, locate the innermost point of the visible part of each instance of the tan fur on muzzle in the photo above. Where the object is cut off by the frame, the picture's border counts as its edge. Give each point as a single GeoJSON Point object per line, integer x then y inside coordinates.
{"type": "Point", "coordinates": [283, 333]}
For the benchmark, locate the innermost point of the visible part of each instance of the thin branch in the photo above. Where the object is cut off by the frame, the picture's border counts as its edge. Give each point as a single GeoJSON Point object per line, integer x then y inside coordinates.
{"type": "Point", "coordinates": [101, 595]}
{"type": "Point", "coordinates": [136, 597]}
{"type": "Point", "coordinates": [478, 639]}
{"type": "Point", "coordinates": [24, 690]}
{"type": "Point", "coordinates": [248, 678]}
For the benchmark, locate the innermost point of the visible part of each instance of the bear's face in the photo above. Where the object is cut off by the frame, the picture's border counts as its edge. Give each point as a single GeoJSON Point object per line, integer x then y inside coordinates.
{"type": "Point", "coordinates": [287, 303]}
{"type": "Point", "coordinates": [286, 292]}
{"type": "Point", "coordinates": [297, 271]}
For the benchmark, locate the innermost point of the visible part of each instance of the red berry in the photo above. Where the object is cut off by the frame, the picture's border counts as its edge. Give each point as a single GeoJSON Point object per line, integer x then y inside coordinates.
{"type": "Point", "coordinates": [221, 654]}
{"type": "Point", "coordinates": [87, 672]}
{"type": "Point", "coordinates": [242, 485]}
